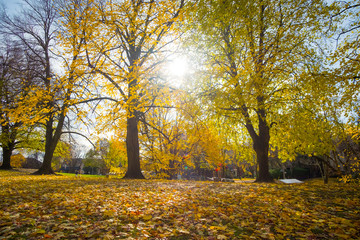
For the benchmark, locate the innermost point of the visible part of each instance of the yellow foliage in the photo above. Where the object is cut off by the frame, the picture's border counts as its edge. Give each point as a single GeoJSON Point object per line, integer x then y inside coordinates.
{"type": "Point", "coordinates": [17, 160]}
{"type": "Point", "coordinates": [115, 158]}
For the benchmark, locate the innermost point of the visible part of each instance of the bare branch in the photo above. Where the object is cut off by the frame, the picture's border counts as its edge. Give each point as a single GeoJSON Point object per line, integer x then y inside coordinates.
{"type": "Point", "coordinates": [80, 134]}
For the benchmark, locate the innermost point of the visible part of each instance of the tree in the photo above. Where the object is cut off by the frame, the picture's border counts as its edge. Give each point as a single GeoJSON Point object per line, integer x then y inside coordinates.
{"type": "Point", "coordinates": [17, 74]}
{"type": "Point", "coordinates": [164, 140]}
{"type": "Point", "coordinates": [316, 129]}
{"type": "Point", "coordinates": [115, 159]}
{"type": "Point", "coordinates": [9, 82]}
{"type": "Point", "coordinates": [345, 24]}
{"type": "Point", "coordinates": [123, 49]}
{"type": "Point", "coordinates": [37, 28]}
{"type": "Point", "coordinates": [348, 155]}
{"type": "Point", "coordinates": [323, 124]}
{"type": "Point", "coordinates": [61, 154]}
{"type": "Point", "coordinates": [255, 56]}
{"type": "Point", "coordinates": [108, 156]}
{"type": "Point", "coordinates": [17, 160]}
{"type": "Point", "coordinates": [92, 163]}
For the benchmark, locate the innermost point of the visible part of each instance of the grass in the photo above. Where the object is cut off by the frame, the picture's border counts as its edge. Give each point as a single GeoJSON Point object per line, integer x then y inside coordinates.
{"type": "Point", "coordinates": [81, 175]}
{"type": "Point", "coordinates": [66, 207]}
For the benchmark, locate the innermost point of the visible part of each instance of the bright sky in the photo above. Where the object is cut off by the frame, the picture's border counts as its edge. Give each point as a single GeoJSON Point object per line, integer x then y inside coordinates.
{"type": "Point", "coordinates": [176, 70]}
{"type": "Point", "coordinates": [11, 5]}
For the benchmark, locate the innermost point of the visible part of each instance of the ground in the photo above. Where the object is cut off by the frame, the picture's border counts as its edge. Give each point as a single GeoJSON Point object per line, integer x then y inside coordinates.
{"type": "Point", "coordinates": [69, 207]}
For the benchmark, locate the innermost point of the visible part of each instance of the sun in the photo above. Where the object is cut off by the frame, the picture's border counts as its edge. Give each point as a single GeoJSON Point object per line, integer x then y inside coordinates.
{"type": "Point", "coordinates": [177, 67]}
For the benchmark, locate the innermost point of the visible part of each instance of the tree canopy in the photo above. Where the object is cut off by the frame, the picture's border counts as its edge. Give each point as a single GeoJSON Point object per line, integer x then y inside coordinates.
{"type": "Point", "coordinates": [268, 78]}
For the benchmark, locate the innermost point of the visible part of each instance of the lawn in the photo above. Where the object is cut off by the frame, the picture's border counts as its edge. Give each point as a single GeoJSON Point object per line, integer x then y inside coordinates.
{"type": "Point", "coordinates": [81, 175]}
{"type": "Point", "coordinates": [66, 207]}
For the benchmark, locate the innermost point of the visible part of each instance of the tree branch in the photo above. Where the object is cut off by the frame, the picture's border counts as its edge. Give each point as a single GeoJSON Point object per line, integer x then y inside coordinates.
{"type": "Point", "coordinates": [80, 134]}
{"type": "Point", "coordinates": [96, 99]}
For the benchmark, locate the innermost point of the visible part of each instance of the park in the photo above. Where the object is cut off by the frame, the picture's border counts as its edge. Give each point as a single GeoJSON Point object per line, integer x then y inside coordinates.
{"type": "Point", "coordinates": [181, 119]}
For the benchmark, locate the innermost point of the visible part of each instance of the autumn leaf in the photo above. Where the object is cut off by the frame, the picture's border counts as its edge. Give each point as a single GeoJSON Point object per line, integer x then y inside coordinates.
{"type": "Point", "coordinates": [60, 207]}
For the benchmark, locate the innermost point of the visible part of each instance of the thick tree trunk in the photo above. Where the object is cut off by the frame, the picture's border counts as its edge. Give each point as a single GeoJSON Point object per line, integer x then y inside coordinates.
{"type": "Point", "coordinates": [46, 168]}
{"type": "Point", "coordinates": [261, 147]}
{"type": "Point", "coordinates": [260, 144]}
{"type": "Point", "coordinates": [7, 148]}
{"type": "Point", "coordinates": [50, 146]}
{"type": "Point", "coordinates": [326, 173]}
{"type": "Point", "coordinates": [132, 147]}
{"type": "Point", "coordinates": [52, 138]}
{"type": "Point", "coordinates": [7, 152]}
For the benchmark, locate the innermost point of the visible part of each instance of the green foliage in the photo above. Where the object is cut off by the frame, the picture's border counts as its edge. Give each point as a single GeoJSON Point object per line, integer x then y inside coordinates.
{"type": "Point", "coordinates": [257, 61]}
{"type": "Point", "coordinates": [93, 160]}
{"type": "Point", "coordinates": [276, 173]}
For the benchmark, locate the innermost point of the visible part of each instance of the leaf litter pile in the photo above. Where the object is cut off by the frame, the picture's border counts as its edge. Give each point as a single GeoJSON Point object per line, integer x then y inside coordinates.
{"type": "Point", "coordinates": [59, 207]}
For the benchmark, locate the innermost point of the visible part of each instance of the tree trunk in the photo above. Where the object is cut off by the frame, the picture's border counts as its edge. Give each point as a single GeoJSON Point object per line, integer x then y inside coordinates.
{"type": "Point", "coordinates": [46, 165]}
{"type": "Point", "coordinates": [7, 152]}
{"type": "Point", "coordinates": [50, 146]}
{"type": "Point", "coordinates": [261, 147]}
{"type": "Point", "coordinates": [7, 148]}
{"type": "Point", "coordinates": [132, 147]}
{"type": "Point", "coordinates": [326, 173]}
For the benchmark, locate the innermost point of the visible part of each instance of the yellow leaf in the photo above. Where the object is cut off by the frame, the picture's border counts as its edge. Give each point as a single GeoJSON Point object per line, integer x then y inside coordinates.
{"type": "Point", "coordinates": [109, 213]}
{"type": "Point", "coordinates": [221, 237]}
{"type": "Point", "coordinates": [147, 217]}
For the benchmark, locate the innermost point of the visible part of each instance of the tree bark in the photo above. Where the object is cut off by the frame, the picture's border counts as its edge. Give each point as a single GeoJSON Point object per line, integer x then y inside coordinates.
{"type": "Point", "coordinates": [7, 152]}
{"type": "Point", "coordinates": [49, 150]}
{"type": "Point", "coordinates": [51, 140]}
{"type": "Point", "coordinates": [7, 147]}
{"type": "Point", "coordinates": [261, 147]}
{"type": "Point", "coordinates": [46, 168]}
{"type": "Point", "coordinates": [326, 173]}
{"type": "Point", "coordinates": [132, 147]}
{"type": "Point", "coordinates": [260, 143]}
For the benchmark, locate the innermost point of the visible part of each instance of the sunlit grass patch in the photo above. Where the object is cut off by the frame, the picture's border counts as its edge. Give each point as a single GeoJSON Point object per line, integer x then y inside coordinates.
{"type": "Point", "coordinates": [81, 175]}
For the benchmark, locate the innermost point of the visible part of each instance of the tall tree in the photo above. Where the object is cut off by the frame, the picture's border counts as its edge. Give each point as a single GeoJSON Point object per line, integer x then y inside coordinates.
{"type": "Point", "coordinates": [164, 139]}
{"type": "Point", "coordinates": [38, 29]}
{"type": "Point", "coordinates": [256, 51]}
{"type": "Point", "coordinates": [17, 74]}
{"type": "Point", "coordinates": [325, 122]}
{"type": "Point", "coordinates": [124, 50]}
{"type": "Point", "coordinates": [35, 29]}
{"type": "Point", "coordinates": [346, 25]}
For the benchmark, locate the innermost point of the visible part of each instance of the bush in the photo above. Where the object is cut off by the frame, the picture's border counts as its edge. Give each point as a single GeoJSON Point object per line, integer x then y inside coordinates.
{"type": "Point", "coordinates": [275, 173]}
{"type": "Point", "coordinates": [17, 160]}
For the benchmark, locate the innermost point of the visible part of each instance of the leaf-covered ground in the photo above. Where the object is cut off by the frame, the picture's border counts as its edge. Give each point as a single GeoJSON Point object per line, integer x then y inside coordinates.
{"type": "Point", "coordinates": [63, 207]}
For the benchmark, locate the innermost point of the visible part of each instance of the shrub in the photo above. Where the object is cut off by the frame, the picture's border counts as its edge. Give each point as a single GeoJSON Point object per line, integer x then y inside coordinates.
{"type": "Point", "coordinates": [275, 173]}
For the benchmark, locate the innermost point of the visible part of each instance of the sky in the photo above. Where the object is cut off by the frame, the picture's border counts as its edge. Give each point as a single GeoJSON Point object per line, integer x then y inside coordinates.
{"type": "Point", "coordinates": [11, 5]}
